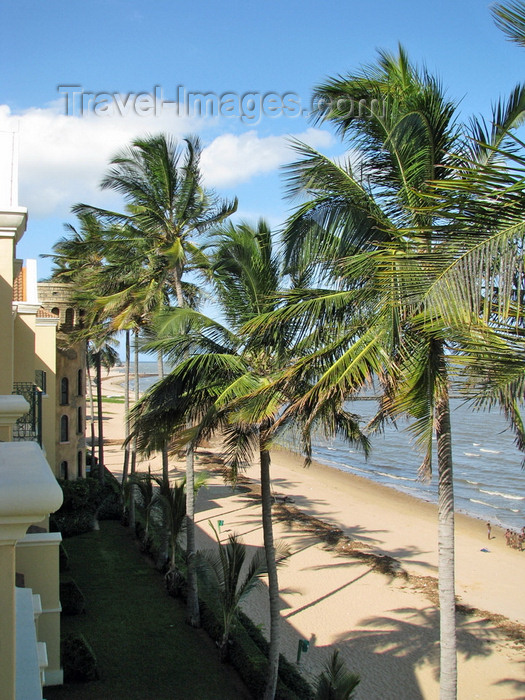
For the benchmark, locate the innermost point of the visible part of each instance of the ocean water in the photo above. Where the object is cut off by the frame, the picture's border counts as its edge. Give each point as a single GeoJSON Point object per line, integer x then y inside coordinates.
{"type": "Point", "coordinates": [489, 481]}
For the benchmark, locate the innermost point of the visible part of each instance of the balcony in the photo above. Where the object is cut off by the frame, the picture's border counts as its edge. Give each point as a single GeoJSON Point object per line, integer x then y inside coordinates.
{"type": "Point", "coordinates": [29, 426]}
{"type": "Point", "coordinates": [30, 648]}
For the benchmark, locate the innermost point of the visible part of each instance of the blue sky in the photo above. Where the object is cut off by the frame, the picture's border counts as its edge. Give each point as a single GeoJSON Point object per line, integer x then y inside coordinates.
{"type": "Point", "coordinates": [123, 47]}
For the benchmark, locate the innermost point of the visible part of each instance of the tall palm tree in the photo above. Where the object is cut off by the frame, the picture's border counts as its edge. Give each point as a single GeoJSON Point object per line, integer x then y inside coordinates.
{"type": "Point", "coordinates": [168, 209]}
{"type": "Point", "coordinates": [221, 382]}
{"type": "Point", "coordinates": [79, 258]}
{"type": "Point", "coordinates": [101, 354]}
{"type": "Point", "coordinates": [383, 232]}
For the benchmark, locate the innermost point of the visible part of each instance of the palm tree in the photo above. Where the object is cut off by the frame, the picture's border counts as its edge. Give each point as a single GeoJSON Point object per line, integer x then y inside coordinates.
{"type": "Point", "coordinates": [335, 682]}
{"type": "Point", "coordinates": [229, 581]}
{"type": "Point", "coordinates": [510, 18]}
{"type": "Point", "coordinates": [78, 258]}
{"type": "Point", "coordinates": [384, 233]}
{"type": "Point", "coordinates": [100, 354]}
{"type": "Point", "coordinates": [172, 500]}
{"type": "Point", "coordinates": [144, 481]}
{"type": "Point", "coordinates": [167, 207]}
{"type": "Point", "coordinates": [222, 382]}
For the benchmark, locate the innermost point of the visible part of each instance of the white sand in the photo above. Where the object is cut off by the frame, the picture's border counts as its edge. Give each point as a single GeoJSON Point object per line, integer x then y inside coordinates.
{"type": "Point", "coordinates": [386, 630]}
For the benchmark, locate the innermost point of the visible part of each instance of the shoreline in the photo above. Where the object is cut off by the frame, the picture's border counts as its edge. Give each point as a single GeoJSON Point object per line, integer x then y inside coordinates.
{"type": "Point", "coordinates": [386, 628]}
{"type": "Point", "coordinates": [296, 463]}
{"type": "Point", "coordinates": [115, 380]}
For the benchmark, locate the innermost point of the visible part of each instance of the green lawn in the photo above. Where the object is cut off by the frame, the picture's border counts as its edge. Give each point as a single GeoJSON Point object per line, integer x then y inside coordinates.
{"type": "Point", "coordinates": [144, 649]}
{"type": "Point", "coordinates": [110, 399]}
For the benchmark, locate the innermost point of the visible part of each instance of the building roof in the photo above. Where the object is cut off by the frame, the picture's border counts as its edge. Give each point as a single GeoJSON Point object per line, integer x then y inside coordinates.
{"type": "Point", "coordinates": [44, 313]}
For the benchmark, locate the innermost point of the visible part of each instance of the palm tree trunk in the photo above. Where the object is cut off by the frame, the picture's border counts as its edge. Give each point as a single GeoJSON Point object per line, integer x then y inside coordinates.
{"type": "Point", "coordinates": [91, 404]}
{"type": "Point", "coordinates": [192, 612]}
{"type": "Point", "coordinates": [125, 467]}
{"type": "Point", "coordinates": [447, 599]}
{"type": "Point", "coordinates": [165, 461]}
{"type": "Point", "coordinates": [134, 447]}
{"type": "Point", "coordinates": [273, 583]}
{"type": "Point", "coordinates": [98, 365]}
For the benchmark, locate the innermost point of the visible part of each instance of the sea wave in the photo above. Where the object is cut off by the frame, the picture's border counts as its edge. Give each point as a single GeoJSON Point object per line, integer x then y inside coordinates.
{"type": "Point", "coordinates": [397, 478]}
{"type": "Point", "coordinates": [492, 452]}
{"type": "Point", "coordinates": [483, 503]}
{"type": "Point", "coordinates": [503, 495]}
{"type": "Point", "coordinates": [352, 467]}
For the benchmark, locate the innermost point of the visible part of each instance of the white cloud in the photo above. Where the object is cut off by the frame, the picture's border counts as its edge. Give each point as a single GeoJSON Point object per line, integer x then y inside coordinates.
{"type": "Point", "coordinates": [231, 159]}
{"type": "Point", "coordinates": [63, 157]}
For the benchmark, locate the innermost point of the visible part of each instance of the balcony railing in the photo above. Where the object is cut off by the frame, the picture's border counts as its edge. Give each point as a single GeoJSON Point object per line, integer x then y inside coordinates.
{"type": "Point", "coordinates": [29, 426]}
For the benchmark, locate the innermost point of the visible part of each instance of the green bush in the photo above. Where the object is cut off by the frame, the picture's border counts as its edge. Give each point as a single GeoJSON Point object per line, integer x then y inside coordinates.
{"type": "Point", "coordinates": [71, 524]}
{"type": "Point", "coordinates": [84, 501]}
{"type": "Point", "coordinates": [78, 659]}
{"type": "Point", "coordinates": [63, 558]}
{"type": "Point", "coordinates": [71, 598]}
{"type": "Point", "coordinates": [287, 671]}
{"type": "Point", "coordinates": [248, 654]}
{"type": "Point", "coordinates": [80, 494]}
{"type": "Point", "coordinates": [111, 506]}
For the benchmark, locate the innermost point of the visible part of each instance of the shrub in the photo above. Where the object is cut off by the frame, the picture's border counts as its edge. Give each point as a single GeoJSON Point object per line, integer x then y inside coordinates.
{"type": "Point", "coordinates": [287, 671]}
{"type": "Point", "coordinates": [248, 654]}
{"type": "Point", "coordinates": [63, 558]}
{"type": "Point", "coordinates": [71, 524]}
{"type": "Point", "coordinates": [71, 598]}
{"type": "Point", "coordinates": [78, 659]}
{"type": "Point", "coordinates": [85, 500]}
{"type": "Point", "coordinates": [80, 494]}
{"type": "Point", "coordinates": [110, 507]}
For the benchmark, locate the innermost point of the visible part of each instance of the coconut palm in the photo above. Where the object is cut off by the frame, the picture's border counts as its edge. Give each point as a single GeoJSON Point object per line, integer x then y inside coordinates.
{"type": "Point", "coordinates": [101, 354]}
{"type": "Point", "coordinates": [510, 18]}
{"type": "Point", "coordinates": [168, 208]}
{"type": "Point", "coordinates": [335, 682]}
{"type": "Point", "coordinates": [78, 259]}
{"type": "Point", "coordinates": [395, 249]}
{"type": "Point", "coordinates": [229, 578]}
{"type": "Point", "coordinates": [226, 383]}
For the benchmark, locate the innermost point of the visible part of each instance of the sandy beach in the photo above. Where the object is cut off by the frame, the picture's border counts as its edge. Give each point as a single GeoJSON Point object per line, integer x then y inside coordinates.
{"type": "Point", "coordinates": [332, 594]}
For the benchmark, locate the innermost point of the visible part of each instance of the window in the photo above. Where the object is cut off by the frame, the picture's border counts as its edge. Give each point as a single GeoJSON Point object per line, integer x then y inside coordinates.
{"type": "Point", "coordinates": [63, 470]}
{"type": "Point", "coordinates": [79, 464]}
{"type": "Point", "coordinates": [80, 382]}
{"type": "Point", "coordinates": [64, 391]}
{"type": "Point", "coordinates": [80, 426]}
{"type": "Point", "coordinates": [70, 317]}
{"type": "Point", "coordinates": [64, 429]}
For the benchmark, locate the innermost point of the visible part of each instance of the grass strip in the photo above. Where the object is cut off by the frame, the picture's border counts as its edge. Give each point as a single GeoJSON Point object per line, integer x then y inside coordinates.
{"type": "Point", "coordinates": [144, 648]}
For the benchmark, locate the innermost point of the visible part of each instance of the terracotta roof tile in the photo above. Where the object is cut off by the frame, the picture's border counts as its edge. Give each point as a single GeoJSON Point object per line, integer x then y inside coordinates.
{"type": "Point", "coordinates": [19, 286]}
{"type": "Point", "coordinates": [44, 313]}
